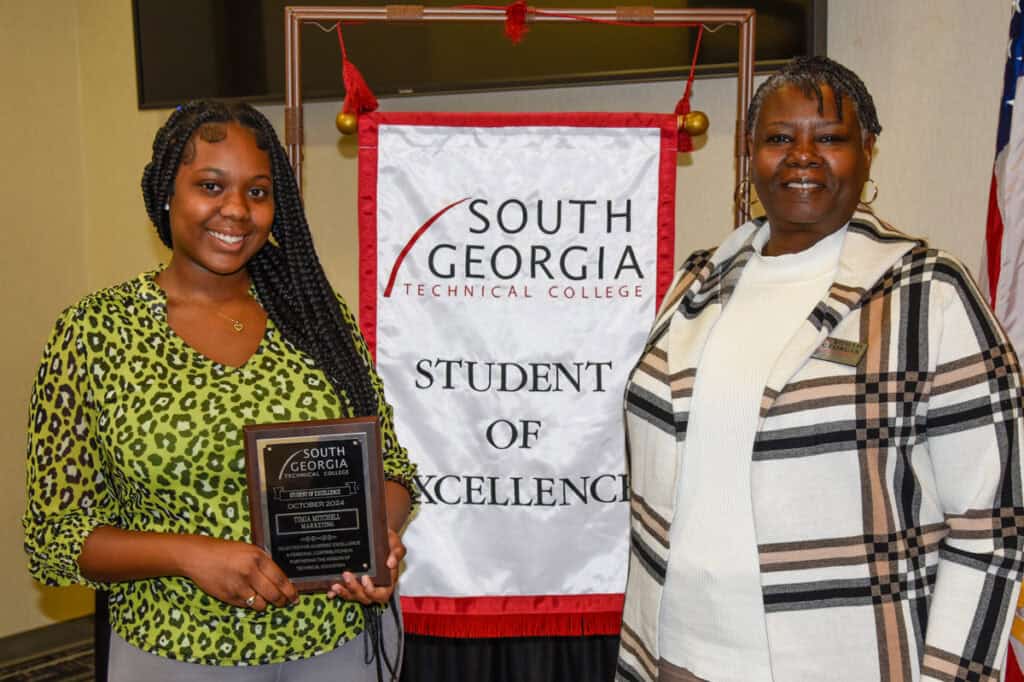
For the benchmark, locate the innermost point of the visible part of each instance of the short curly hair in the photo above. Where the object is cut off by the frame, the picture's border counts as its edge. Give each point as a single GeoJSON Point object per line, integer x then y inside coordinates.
{"type": "Point", "coordinates": [809, 74]}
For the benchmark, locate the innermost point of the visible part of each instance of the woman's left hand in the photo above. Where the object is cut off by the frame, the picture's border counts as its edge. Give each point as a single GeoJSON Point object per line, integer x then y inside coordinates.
{"type": "Point", "coordinates": [363, 590]}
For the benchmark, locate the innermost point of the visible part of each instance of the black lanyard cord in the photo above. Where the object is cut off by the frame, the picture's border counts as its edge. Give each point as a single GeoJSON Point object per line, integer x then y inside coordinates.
{"type": "Point", "coordinates": [373, 644]}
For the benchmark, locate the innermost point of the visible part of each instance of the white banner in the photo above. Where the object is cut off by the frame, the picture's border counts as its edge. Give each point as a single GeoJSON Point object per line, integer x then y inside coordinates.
{"type": "Point", "coordinates": [510, 273]}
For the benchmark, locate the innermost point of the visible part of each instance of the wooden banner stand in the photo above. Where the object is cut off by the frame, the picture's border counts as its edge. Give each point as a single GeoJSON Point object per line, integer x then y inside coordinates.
{"type": "Point", "coordinates": [743, 19]}
{"type": "Point", "coordinates": [436, 659]}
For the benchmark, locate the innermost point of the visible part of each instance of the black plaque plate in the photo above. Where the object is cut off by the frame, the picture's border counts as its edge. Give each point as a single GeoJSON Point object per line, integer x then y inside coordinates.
{"type": "Point", "coordinates": [316, 499]}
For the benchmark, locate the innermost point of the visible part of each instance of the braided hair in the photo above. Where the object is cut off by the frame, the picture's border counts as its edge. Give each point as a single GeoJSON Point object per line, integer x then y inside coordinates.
{"type": "Point", "coordinates": [286, 272]}
{"type": "Point", "coordinates": [809, 74]}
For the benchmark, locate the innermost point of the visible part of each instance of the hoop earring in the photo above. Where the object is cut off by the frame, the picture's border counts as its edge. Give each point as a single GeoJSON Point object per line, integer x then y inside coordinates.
{"type": "Point", "coordinates": [737, 193]}
{"type": "Point", "coordinates": [874, 193]}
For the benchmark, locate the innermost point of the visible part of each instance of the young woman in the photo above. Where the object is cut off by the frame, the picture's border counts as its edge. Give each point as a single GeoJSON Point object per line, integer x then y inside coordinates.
{"type": "Point", "coordinates": [136, 466]}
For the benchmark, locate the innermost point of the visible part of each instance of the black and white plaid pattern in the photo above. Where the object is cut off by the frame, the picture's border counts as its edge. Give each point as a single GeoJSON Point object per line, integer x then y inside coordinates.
{"type": "Point", "coordinates": [887, 496]}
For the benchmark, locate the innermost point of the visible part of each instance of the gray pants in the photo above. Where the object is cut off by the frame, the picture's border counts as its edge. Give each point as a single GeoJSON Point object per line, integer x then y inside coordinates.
{"type": "Point", "coordinates": [344, 664]}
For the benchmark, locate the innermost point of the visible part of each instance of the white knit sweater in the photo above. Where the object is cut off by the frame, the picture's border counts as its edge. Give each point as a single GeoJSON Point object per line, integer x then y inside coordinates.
{"type": "Point", "coordinates": [712, 609]}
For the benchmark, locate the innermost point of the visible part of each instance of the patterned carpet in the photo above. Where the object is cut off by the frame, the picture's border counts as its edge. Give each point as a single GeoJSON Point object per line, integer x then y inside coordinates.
{"type": "Point", "coordinates": [59, 653]}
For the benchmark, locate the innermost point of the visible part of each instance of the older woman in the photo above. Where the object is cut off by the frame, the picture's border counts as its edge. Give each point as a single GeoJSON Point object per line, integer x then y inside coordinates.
{"type": "Point", "coordinates": [825, 433]}
{"type": "Point", "coordinates": [136, 466]}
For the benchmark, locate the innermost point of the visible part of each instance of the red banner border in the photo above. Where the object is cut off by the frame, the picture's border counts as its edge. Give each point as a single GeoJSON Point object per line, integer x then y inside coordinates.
{"type": "Point", "coordinates": [528, 615]}
{"type": "Point", "coordinates": [521, 616]}
{"type": "Point", "coordinates": [369, 125]}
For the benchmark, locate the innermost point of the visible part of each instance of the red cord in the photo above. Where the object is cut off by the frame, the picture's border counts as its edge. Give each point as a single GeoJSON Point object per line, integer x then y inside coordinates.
{"type": "Point", "coordinates": [341, 41]}
{"type": "Point", "coordinates": [693, 64]}
{"type": "Point", "coordinates": [516, 13]}
{"type": "Point", "coordinates": [359, 98]}
{"type": "Point", "coordinates": [577, 17]}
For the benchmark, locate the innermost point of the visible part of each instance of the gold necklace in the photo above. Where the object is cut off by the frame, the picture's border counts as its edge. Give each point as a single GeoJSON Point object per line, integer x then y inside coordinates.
{"type": "Point", "coordinates": [235, 324]}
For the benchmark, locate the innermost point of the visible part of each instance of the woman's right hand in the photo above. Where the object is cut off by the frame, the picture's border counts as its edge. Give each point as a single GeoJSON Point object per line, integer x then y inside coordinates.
{"type": "Point", "coordinates": [236, 573]}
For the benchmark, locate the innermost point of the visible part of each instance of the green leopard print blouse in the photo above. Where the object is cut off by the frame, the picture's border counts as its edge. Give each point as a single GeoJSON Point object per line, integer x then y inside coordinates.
{"type": "Point", "coordinates": [131, 427]}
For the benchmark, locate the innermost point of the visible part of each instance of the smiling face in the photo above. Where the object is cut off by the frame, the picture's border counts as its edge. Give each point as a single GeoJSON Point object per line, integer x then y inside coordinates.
{"type": "Point", "coordinates": [223, 205]}
{"type": "Point", "coordinates": [808, 167]}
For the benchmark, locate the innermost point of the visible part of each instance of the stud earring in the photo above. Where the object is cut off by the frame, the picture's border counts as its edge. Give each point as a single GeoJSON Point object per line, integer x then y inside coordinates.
{"type": "Point", "coordinates": [167, 206]}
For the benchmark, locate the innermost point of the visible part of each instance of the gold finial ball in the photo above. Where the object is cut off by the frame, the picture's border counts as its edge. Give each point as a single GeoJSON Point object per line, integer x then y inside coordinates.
{"type": "Point", "coordinates": [695, 122]}
{"type": "Point", "coordinates": [348, 124]}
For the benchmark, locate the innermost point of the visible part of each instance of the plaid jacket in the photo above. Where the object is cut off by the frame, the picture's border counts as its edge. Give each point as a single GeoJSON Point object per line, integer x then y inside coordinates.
{"type": "Point", "coordinates": [887, 495]}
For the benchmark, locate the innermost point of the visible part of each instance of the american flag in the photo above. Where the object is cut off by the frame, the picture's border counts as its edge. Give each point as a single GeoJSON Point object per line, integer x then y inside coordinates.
{"type": "Point", "coordinates": [1002, 270]}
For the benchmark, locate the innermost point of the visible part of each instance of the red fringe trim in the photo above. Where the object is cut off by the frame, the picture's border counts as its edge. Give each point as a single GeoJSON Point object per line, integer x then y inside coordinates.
{"type": "Point", "coordinates": [463, 626]}
{"type": "Point", "coordinates": [522, 616]}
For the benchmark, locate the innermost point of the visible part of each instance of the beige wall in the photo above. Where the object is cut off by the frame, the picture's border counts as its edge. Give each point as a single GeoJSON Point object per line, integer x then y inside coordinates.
{"type": "Point", "coordinates": [935, 70]}
{"type": "Point", "coordinates": [42, 266]}
{"type": "Point", "coordinates": [75, 145]}
{"type": "Point", "coordinates": [116, 140]}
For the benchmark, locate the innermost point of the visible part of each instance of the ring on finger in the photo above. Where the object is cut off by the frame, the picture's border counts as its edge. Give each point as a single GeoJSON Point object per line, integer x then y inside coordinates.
{"type": "Point", "coordinates": [251, 600]}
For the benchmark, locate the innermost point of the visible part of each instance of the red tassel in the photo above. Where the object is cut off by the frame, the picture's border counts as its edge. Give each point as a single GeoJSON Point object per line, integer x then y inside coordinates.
{"type": "Point", "coordinates": [515, 21]}
{"type": "Point", "coordinates": [359, 98]}
{"type": "Point", "coordinates": [682, 109]}
{"type": "Point", "coordinates": [683, 105]}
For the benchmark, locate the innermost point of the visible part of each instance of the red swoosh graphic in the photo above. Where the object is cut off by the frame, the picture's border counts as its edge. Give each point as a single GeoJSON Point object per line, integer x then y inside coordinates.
{"type": "Point", "coordinates": [412, 240]}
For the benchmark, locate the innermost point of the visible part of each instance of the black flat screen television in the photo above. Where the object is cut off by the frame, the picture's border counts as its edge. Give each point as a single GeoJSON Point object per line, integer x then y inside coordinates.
{"type": "Point", "coordinates": [189, 49]}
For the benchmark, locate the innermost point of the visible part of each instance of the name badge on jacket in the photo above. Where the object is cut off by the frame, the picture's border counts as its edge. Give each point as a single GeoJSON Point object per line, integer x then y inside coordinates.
{"type": "Point", "coordinates": [840, 351]}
